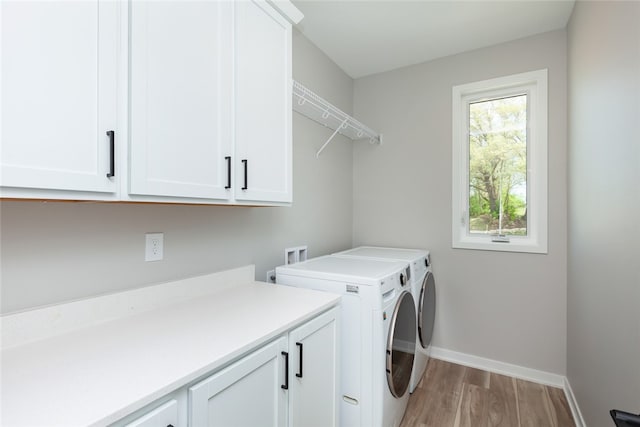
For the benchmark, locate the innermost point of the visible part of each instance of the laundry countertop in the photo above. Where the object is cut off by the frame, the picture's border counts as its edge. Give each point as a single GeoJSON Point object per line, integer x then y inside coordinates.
{"type": "Point", "coordinates": [98, 374]}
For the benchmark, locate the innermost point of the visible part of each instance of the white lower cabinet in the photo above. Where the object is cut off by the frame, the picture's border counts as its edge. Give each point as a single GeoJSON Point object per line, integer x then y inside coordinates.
{"type": "Point", "coordinates": [290, 382]}
{"type": "Point", "coordinates": [165, 415]}
{"type": "Point", "coordinates": [314, 394]}
{"type": "Point", "coordinates": [248, 393]}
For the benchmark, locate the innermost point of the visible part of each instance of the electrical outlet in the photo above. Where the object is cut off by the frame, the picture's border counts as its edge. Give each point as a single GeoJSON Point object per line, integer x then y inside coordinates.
{"type": "Point", "coordinates": [271, 276]}
{"type": "Point", "coordinates": [154, 250]}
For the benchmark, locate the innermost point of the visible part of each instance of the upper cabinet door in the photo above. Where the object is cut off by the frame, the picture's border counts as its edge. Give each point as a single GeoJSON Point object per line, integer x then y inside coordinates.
{"type": "Point", "coordinates": [263, 103]}
{"type": "Point", "coordinates": [181, 91]}
{"type": "Point", "coordinates": [58, 92]}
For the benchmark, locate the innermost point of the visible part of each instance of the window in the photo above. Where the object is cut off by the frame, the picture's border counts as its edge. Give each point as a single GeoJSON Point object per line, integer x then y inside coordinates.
{"type": "Point", "coordinates": [500, 164]}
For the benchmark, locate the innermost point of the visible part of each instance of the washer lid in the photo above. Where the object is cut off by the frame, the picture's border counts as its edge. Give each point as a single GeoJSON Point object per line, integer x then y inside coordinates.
{"type": "Point", "coordinates": [361, 270]}
{"type": "Point", "coordinates": [408, 255]}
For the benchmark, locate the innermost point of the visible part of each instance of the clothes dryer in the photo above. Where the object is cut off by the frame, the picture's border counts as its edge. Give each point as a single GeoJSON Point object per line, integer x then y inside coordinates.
{"type": "Point", "coordinates": [423, 290]}
{"type": "Point", "coordinates": [376, 355]}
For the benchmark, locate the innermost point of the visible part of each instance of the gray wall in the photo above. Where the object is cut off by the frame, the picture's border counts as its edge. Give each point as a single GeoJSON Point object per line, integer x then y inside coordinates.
{"type": "Point", "coordinates": [509, 307]}
{"type": "Point", "coordinates": [603, 355]}
{"type": "Point", "coordinates": [54, 252]}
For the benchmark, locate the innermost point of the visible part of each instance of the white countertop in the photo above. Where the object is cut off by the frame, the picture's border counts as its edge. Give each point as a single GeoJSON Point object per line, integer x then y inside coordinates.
{"type": "Point", "coordinates": [99, 374]}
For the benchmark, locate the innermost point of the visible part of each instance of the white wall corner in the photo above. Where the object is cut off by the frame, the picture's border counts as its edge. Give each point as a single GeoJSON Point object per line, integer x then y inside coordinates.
{"type": "Point", "coordinates": [573, 404]}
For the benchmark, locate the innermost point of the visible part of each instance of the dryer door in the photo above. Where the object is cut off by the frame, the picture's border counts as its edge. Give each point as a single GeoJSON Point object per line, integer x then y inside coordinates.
{"type": "Point", "coordinates": [426, 310]}
{"type": "Point", "coordinates": [401, 345]}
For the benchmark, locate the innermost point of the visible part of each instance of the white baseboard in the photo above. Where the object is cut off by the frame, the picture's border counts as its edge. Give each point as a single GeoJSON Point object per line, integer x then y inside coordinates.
{"type": "Point", "coordinates": [498, 367]}
{"type": "Point", "coordinates": [573, 404]}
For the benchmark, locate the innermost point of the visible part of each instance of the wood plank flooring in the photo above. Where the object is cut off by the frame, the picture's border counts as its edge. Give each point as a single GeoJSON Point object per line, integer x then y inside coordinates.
{"type": "Point", "coordinates": [451, 395]}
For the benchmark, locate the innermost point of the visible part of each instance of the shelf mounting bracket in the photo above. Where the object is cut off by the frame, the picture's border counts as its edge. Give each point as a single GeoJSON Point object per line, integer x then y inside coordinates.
{"type": "Point", "coordinates": [333, 135]}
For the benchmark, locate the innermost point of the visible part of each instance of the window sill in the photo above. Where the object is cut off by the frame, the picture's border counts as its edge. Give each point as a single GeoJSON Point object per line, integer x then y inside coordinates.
{"type": "Point", "coordinates": [516, 244]}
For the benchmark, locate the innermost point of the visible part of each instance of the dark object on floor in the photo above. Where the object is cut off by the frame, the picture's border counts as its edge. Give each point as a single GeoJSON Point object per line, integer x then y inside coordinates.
{"type": "Point", "coordinates": [625, 419]}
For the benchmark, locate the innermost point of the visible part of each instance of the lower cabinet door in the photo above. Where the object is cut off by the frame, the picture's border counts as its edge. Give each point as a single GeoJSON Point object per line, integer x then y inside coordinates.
{"type": "Point", "coordinates": [251, 392]}
{"type": "Point", "coordinates": [313, 347]}
{"type": "Point", "coordinates": [163, 416]}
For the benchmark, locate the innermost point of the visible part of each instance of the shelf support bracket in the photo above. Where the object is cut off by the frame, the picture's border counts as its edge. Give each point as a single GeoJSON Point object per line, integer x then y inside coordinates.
{"type": "Point", "coordinates": [343, 125]}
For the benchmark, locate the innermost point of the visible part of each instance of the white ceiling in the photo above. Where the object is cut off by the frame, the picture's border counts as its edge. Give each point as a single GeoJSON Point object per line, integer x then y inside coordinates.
{"type": "Point", "coordinates": [371, 36]}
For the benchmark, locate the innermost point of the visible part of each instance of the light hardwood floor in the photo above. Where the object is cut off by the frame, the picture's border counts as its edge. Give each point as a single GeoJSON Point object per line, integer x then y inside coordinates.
{"type": "Point", "coordinates": [451, 395]}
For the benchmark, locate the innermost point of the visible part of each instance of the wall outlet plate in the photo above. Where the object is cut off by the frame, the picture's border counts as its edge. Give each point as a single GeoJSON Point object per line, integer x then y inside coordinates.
{"type": "Point", "coordinates": [271, 276]}
{"type": "Point", "coordinates": [154, 247]}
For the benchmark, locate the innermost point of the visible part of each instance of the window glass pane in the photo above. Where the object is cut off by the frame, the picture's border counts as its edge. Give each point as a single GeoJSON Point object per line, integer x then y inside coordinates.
{"type": "Point", "coordinates": [498, 166]}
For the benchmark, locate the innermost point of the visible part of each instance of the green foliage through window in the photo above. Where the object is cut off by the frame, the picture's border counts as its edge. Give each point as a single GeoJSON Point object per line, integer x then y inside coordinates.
{"type": "Point", "coordinates": [498, 166]}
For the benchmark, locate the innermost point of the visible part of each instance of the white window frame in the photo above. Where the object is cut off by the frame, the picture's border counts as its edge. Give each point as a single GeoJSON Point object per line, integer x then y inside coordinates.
{"type": "Point", "coordinates": [534, 84]}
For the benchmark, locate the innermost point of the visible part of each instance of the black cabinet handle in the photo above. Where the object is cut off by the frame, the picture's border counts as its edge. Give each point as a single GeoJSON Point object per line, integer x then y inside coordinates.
{"type": "Point", "coordinates": [246, 180]}
{"type": "Point", "coordinates": [112, 153]}
{"type": "Point", "coordinates": [285, 386]}
{"type": "Point", "coordinates": [299, 374]}
{"type": "Point", "coordinates": [228, 159]}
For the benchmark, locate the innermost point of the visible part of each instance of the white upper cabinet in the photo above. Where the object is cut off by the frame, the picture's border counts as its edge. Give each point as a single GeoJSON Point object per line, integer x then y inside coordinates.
{"type": "Point", "coordinates": [152, 101]}
{"type": "Point", "coordinates": [262, 103]}
{"type": "Point", "coordinates": [210, 101]}
{"type": "Point", "coordinates": [58, 91]}
{"type": "Point", "coordinates": [181, 98]}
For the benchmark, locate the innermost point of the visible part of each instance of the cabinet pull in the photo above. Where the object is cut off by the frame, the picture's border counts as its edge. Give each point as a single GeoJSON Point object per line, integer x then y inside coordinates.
{"type": "Point", "coordinates": [112, 153]}
{"type": "Point", "coordinates": [228, 159]}
{"type": "Point", "coordinates": [285, 386]}
{"type": "Point", "coordinates": [246, 180]}
{"type": "Point", "coordinates": [299, 374]}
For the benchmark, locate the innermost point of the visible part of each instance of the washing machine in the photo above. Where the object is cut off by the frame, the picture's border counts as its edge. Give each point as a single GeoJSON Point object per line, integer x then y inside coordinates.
{"type": "Point", "coordinates": [376, 355]}
{"type": "Point", "coordinates": [423, 290]}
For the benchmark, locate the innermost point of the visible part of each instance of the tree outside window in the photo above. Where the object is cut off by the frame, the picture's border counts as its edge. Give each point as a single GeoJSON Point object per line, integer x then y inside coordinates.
{"type": "Point", "coordinates": [498, 166]}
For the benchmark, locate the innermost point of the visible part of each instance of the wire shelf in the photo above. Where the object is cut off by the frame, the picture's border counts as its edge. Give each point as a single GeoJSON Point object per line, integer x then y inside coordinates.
{"type": "Point", "coordinates": [321, 111]}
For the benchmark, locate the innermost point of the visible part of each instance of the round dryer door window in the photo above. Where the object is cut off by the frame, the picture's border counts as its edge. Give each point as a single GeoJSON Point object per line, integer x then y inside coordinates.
{"type": "Point", "coordinates": [401, 345]}
{"type": "Point", "coordinates": [426, 310]}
